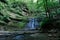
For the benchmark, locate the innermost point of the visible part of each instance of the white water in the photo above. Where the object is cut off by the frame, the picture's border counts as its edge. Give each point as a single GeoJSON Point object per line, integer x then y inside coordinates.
{"type": "Point", "coordinates": [32, 24]}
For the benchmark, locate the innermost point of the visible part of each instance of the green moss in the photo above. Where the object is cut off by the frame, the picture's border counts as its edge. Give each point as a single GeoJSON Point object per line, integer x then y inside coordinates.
{"type": "Point", "coordinates": [17, 24]}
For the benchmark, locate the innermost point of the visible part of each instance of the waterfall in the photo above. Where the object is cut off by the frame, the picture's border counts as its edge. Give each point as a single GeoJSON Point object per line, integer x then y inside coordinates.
{"type": "Point", "coordinates": [32, 24]}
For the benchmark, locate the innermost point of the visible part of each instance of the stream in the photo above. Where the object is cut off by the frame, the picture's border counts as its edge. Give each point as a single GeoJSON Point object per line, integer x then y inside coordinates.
{"type": "Point", "coordinates": [31, 25]}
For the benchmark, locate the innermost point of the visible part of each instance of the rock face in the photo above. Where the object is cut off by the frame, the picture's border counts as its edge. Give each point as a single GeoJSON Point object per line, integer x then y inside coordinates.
{"type": "Point", "coordinates": [15, 12]}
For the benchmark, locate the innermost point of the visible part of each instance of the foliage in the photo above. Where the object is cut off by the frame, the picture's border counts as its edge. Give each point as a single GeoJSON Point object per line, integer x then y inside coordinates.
{"type": "Point", "coordinates": [20, 10]}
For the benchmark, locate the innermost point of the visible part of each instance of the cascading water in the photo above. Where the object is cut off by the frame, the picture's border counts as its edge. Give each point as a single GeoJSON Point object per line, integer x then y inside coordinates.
{"type": "Point", "coordinates": [32, 24]}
